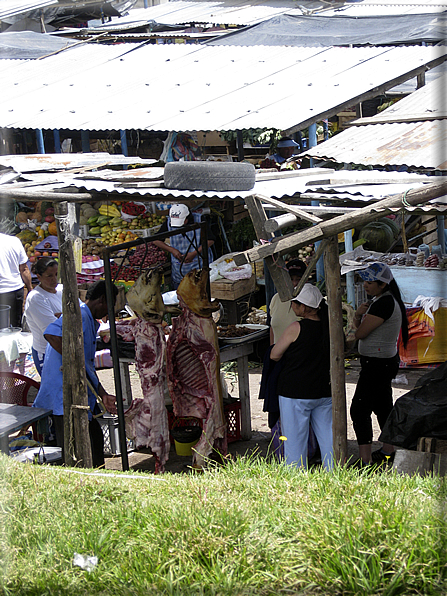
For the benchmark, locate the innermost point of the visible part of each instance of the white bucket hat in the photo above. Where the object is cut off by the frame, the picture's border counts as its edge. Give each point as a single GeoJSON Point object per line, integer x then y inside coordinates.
{"type": "Point", "coordinates": [309, 296]}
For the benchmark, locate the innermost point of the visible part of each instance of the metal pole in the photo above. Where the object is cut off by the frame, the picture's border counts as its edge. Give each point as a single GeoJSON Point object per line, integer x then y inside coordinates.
{"type": "Point", "coordinates": [350, 286]}
{"type": "Point", "coordinates": [441, 233]}
{"type": "Point", "coordinates": [124, 149]}
{"type": "Point", "coordinates": [240, 145]}
{"type": "Point", "coordinates": [115, 359]}
{"type": "Point", "coordinates": [57, 141]}
{"type": "Point", "coordinates": [313, 143]}
{"type": "Point", "coordinates": [85, 141]}
{"type": "Point", "coordinates": [39, 139]}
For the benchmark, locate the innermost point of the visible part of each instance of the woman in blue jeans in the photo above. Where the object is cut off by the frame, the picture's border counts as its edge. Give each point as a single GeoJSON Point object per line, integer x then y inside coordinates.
{"type": "Point", "coordinates": [304, 384]}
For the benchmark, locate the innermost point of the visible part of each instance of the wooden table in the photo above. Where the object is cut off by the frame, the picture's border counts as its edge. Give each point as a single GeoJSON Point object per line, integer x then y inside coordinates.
{"type": "Point", "coordinates": [14, 417]}
{"type": "Point", "coordinates": [228, 352]}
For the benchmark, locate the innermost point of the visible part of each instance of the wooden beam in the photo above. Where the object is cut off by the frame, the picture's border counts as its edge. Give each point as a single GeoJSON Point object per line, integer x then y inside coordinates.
{"type": "Point", "coordinates": [73, 360]}
{"type": "Point", "coordinates": [55, 197]}
{"type": "Point", "coordinates": [290, 209]}
{"type": "Point", "coordinates": [334, 293]}
{"type": "Point", "coordinates": [276, 266]}
{"type": "Point", "coordinates": [341, 223]}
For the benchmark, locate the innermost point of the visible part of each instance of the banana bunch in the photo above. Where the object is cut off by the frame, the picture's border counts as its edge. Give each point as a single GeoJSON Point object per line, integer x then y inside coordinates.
{"type": "Point", "coordinates": [109, 210]}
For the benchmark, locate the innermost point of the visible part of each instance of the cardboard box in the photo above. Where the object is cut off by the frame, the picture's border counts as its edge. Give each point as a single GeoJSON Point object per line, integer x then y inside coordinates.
{"type": "Point", "coordinates": [225, 289]}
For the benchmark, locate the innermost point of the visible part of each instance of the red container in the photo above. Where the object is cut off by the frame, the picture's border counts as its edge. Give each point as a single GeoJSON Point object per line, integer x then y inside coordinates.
{"type": "Point", "coordinates": [232, 413]}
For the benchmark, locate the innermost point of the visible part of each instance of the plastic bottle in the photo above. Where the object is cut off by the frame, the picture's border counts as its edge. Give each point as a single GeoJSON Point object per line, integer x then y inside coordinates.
{"type": "Point", "coordinates": [425, 249]}
{"type": "Point", "coordinates": [437, 250]}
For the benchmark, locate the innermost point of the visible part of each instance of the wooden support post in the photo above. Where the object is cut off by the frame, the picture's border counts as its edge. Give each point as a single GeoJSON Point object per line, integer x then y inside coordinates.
{"type": "Point", "coordinates": [73, 359]}
{"type": "Point", "coordinates": [276, 267]}
{"type": "Point", "coordinates": [333, 287]}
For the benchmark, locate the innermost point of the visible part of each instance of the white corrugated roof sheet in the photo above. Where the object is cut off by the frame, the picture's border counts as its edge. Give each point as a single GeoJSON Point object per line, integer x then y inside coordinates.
{"type": "Point", "coordinates": [401, 136]}
{"type": "Point", "coordinates": [361, 186]}
{"type": "Point", "coordinates": [427, 103]}
{"type": "Point", "coordinates": [388, 7]}
{"type": "Point", "coordinates": [413, 144]}
{"type": "Point", "coordinates": [10, 8]}
{"type": "Point", "coordinates": [221, 12]}
{"type": "Point", "coordinates": [187, 88]}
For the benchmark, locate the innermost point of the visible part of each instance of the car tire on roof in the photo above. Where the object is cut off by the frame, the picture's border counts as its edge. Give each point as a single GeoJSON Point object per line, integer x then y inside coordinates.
{"type": "Point", "coordinates": [208, 175]}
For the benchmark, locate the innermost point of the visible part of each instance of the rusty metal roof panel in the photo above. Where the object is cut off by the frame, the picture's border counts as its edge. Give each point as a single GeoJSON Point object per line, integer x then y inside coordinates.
{"type": "Point", "coordinates": [413, 144]}
{"type": "Point", "coordinates": [189, 87]}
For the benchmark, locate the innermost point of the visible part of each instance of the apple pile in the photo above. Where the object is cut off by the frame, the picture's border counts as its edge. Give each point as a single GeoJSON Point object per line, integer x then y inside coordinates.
{"type": "Point", "coordinates": [34, 254]}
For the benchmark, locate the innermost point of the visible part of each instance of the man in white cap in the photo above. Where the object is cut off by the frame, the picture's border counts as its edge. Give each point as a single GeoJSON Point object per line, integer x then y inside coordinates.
{"type": "Point", "coordinates": [184, 248]}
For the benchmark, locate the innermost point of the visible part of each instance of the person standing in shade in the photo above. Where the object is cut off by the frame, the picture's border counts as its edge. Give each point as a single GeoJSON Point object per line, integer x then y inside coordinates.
{"type": "Point", "coordinates": [285, 149]}
{"type": "Point", "coordinates": [14, 274]}
{"type": "Point", "coordinates": [50, 394]}
{"type": "Point", "coordinates": [184, 255]}
{"type": "Point", "coordinates": [281, 313]}
{"type": "Point", "coordinates": [378, 323]}
{"type": "Point", "coordinates": [43, 306]}
{"type": "Point", "coordinates": [304, 384]}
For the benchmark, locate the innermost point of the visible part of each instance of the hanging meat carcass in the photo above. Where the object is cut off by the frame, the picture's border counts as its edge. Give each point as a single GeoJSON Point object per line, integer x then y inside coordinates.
{"type": "Point", "coordinates": [193, 365]}
{"type": "Point", "coordinates": [147, 419]}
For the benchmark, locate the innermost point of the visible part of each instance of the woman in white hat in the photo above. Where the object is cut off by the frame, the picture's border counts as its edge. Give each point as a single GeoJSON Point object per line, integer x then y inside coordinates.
{"type": "Point", "coordinates": [304, 384]}
{"type": "Point", "coordinates": [378, 323]}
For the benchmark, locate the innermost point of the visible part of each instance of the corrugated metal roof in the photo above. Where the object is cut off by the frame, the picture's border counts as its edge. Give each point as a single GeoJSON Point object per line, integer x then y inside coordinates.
{"type": "Point", "coordinates": [63, 161]}
{"type": "Point", "coordinates": [412, 141]}
{"type": "Point", "coordinates": [414, 144]}
{"type": "Point", "coordinates": [223, 12]}
{"type": "Point", "coordinates": [187, 88]}
{"type": "Point", "coordinates": [427, 103]}
{"type": "Point", "coordinates": [390, 7]}
{"type": "Point", "coordinates": [10, 8]}
{"type": "Point", "coordinates": [358, 186]}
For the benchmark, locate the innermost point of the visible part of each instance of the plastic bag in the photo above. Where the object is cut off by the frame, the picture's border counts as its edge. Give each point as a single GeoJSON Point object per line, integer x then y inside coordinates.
{"type": "Point", "coordinates": [234, 273]}
{"type": "Point", "coordinates": [422, 412]}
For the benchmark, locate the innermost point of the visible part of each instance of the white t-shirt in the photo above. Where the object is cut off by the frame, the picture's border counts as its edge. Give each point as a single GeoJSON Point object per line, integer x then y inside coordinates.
{"type": "Point", "coordinates": [12, 255]}
{"type": "Point", "coordinates": [281, 316]}
{"type": "Point", "coordinates": [40, 307]}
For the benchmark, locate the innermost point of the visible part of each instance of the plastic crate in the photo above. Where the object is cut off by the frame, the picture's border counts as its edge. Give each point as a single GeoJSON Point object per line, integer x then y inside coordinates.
{"type": "Point", "coordinates": [109, 426]}
{"type": "Point", "coordinates": [232, 412]}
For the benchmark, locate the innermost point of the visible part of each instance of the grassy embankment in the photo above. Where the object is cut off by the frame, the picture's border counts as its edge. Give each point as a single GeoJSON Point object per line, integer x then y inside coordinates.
{"type": "Point", "coordinates": [251, 528]}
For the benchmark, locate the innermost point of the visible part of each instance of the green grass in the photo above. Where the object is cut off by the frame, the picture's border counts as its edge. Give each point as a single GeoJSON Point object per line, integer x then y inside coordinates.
{"type": "Point", "coordinates": [251, 528]}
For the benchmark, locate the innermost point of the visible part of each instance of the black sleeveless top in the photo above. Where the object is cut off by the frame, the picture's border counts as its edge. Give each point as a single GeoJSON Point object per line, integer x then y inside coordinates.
{"type": "Point", "coordinates": [306, 371]}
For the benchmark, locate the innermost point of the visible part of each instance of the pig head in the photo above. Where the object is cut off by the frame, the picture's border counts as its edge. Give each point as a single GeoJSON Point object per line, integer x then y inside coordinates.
{"type": "Point", "coordinates": [145, 298]}
{"type": "Point", "coordinates": [192, 291]}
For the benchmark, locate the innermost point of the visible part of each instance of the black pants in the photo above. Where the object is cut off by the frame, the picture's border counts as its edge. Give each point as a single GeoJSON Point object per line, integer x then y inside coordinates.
{"type": "Point", "coordinates": [15, 301]}
{"type": "Point", "coordinates": [96, 439]}
{"type": "Point", "coordinates": [373, 394]}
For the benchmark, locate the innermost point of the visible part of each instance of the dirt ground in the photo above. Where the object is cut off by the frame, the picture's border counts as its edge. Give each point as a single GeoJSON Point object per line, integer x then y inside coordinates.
{"type": "Point", "coordinates": [260, 441]}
